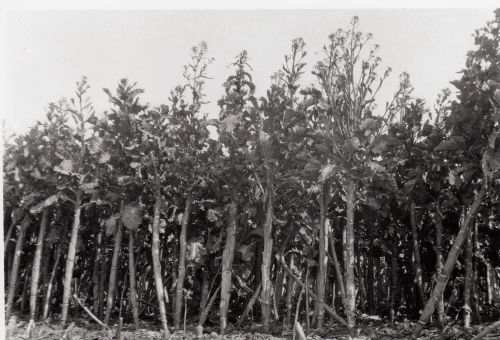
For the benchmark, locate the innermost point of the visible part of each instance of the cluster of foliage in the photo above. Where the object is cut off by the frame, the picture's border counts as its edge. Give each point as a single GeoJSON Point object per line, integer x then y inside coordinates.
{"type": "Point", "coordinates": [309, 200]}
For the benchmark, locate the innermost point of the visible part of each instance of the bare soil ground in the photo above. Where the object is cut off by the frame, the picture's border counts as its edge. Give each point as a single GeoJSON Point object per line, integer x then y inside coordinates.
{"type": "Point", "coordinates": [83, 329]}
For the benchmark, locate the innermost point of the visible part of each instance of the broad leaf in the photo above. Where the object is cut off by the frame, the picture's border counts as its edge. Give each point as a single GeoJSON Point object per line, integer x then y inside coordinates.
{"type": "Point", "coordinates": [495, 161]}
{"type": "Point", "coordinates": [124, 180]}
{"type": "Point", "coordinates": [326, 172]}
{"type": "Point", "coordinates": [212, 215]}
{"type": "Point", "coordinates": [49, 201]}
{"type": "Point", "coordinates": [89, 187]}
{"type": "Point", "coordinates": [179, 218]}
{"type": "Point", "coordinates": [265, 143]}
{"type": "Point", "coordinates": [111, 224]}
{"type": "Point", "coordinates": [94, 145]}
{"type": "Point", "coordinates": [196, 252]}
{"type": "Point", "coordinates": [352, 144]}
{"type": "Point", "coordinates": [54, 235]}
{"type": "Point", "coordinates": [246, 251]}
{"type": "Point", "coordinates": [105, 157]}
{"type": "Point", "coordinates": [383, 143]}
{"type": "Point", "coordinates": [230, 122]}
{"type": "Point", "coordinates": [17, 176]}
{"type": "Point", "coordinates": [36, 174]}
{"type": "Point", "coordinates": [373, 203]}
{"type": "Point", "coordinates": [214, 243]}
{"type": "Point", "coordinates": [369, 124]}
{"type": "Point", "coordinates": [65, 167]}
{"type": "Point", "coordinates": [388, 180]}
{"type": "Point", "coordinates": [132, 216]}
{"type": "Point", "coordinates": [455, 143]}
{"type": "Point", "coordinates": [313, 165]}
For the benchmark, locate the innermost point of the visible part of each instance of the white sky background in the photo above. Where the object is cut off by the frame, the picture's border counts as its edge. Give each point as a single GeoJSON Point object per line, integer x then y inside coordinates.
{"type": "Point", "coordinates": [48, 51]}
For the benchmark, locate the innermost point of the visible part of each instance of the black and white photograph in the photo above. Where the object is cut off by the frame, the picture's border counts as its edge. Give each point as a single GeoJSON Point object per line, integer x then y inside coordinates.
{"type": "Point", "coordinates": [302, 171]}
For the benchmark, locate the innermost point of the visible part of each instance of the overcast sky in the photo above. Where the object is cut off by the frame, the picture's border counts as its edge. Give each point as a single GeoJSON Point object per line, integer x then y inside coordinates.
{"type": "Point", "coordinates": [48, 51]}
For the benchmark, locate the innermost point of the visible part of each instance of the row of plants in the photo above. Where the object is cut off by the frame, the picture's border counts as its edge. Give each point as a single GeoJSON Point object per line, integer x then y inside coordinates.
{"type": "Point", "coordinates": [309, 202]}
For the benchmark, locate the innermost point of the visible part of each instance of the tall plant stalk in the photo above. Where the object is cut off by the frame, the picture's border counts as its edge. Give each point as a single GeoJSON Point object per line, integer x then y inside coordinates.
{"type": "Point", "coordinates": [132, 279]}
{"type": "Point", "coordinates": [35, 274]}
{"type": "Point", "coordinates": [349, 260]}
{"type": "Point", "coordinates": [439, 263]}
{"type": "Point", "coordinates": [182, 262]}
{"type": "Point", "coordinates": [467, 308]}
{"type": "Point", "coordinates": [266, 291]}
{"type": "Point", "coordinates": [227, 264]}
{"type": "Point", "coordinates": [15, 267]}
{"type": "Point", "coordinates": [50, 285]}
{"type": "Point", "coordinates": [155, 250]}
{"type": "Point", "coordinates": [449, 264]}
{"type": "Point", "coordinates": [114, 269]}
{"type": "Point", "coordinates": [71, 257]}
{"type": "Point", "coordinates": [321, 275]}
{"type": "Point", "coordinates": [417, 263]}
